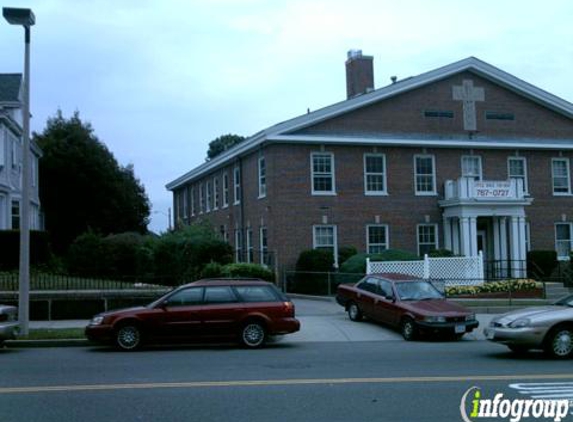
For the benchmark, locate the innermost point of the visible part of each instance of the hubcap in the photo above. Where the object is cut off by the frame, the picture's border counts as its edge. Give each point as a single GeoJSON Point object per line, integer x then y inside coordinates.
{"type": "Point", "coordinates": [253, 334]}
{"type": "Point", "coordinates": [563, 343]}
{"type": "Point", "coordinates": [353, 311]}
{"type": "Point", "coordinates": [128, 337]}
{"type": "Point", "coordinates": [408, 329]}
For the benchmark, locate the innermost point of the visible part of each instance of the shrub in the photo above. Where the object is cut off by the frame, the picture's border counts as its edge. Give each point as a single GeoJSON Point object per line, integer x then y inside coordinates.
{"type": "Point", "coordinates": [86, 255]}
{"type": "Point", "coordinates": [357, 263]}
{"type": "Point", "coordinates": [541, 263]}
{"type": "Point", "coordinates": [493, 287]}
{"type": "Point", "coordinates": [248, 270]}
{"type": "Point", "coordinates": [346, 252]}
{"type": "Point", "coordinates": [315, 260]}
{"type": "Point", "coordinates": [441, 253]}
{"type": "Point", "coordinates": [40, 252]}
{"type": "Point", "coordinates": [212, 270]}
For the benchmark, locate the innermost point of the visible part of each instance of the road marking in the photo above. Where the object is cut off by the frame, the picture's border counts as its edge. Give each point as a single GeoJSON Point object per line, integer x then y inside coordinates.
{"type": "Point", "coordinates": [545, 390]}
{"type": "Point", "coordinates": [279, 382]}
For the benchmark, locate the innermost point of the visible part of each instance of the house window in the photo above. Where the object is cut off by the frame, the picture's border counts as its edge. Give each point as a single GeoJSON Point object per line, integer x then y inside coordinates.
{"type": "Point", "coordinates": [560, 176]}
{"type": "Point", "coordinates": [262, 178]}
{"type": "Point", "coordinates": [2, 152]}
{"type": "Point", "coordinates": [324, 237]}
{"type": "Point", "coordinates": [427, 238]}
{"type": "Point", "coordinates": [201, 198]}
{"type": "Point", "coordinates": [425, 174]}
{"type": "Point", "coordinates": [15, 215]}
{"type": "Point", "coordinates": [374, 174]}
{"type": "Point", "coordinates": [208, 196]}
{"type": "Point", "coordinates": [494, 115]}
{"type": "Point", "coordinates": [517, 169]}
{"type": "Point", "coordinates": [184, 200]}
{"type": "Point", "coordinates": [192, 200]}
{"type": "Point", "coordinates": [376, 238]}
{"type": "Point", "coordinates": [216, 193]}
{"type": "Point", "coordinates": [237, 181]}
{"type": "Point", "coordinates": [14, 153]}
{"type": "Point", "coordinates": [250, 247]}
{"type": "Point", "coordinates": [238, 246]}
{"type": "Point", "coordinates": [3, 209]}
{"type": "Point", "coordinates": [225, 190]}
{"type": "Point", "coordinates": [322, 173]}
{"type": "Point", "coordinates": [439, 113]}
{"type": "Point", "coordinates": [264, 246]}
{"type": "Point", "coordinates": [563, 240]}
{"type": "Point", "coordinates": [471, 166]}
{"type": "Point", "coordinates": [223, 232]}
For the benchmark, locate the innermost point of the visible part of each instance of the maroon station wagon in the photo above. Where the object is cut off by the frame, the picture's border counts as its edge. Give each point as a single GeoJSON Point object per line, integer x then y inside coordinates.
{"type": "Point", "coordinates": [414, 306]}
{"type": "Point", "coordinates": [247, 310]}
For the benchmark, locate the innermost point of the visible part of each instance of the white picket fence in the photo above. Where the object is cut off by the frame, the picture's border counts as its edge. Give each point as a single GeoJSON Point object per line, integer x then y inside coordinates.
{"type": "Point", "coordinates": [467, 271]}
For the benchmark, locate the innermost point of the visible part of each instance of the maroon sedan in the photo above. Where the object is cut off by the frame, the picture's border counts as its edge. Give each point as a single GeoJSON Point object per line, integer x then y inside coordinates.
{"type": "Point", "coordinates": [248, 310]}
{"type": "Point", "coordinates": [414, 306]}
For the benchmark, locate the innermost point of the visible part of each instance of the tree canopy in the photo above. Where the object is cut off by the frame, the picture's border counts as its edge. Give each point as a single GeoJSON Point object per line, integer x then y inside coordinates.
{"type": "Point", "coordinates": [222, 144]}
{"type": "Point", "coordinates": [82, 186]}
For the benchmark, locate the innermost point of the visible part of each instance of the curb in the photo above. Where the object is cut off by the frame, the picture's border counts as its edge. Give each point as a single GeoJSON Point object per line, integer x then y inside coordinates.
{"type": "Point", "coordinates": [48, 343]}
{"type": "Point", "coordinates": [310, 297]}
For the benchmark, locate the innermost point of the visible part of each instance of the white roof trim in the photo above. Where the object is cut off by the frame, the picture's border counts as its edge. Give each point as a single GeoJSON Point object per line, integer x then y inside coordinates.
{"type": "Point", "coordinates": [277, 132]}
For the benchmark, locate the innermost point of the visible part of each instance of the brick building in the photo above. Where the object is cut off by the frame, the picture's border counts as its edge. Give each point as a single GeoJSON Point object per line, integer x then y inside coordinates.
{"type": "Point", "coordinates": [465, 157]}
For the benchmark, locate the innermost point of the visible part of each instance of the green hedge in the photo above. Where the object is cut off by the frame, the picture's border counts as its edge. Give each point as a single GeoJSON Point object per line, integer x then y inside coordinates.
{"type": "Point", "coordinates": [357, 263]}
{"type": "Point", "coordinates": [541, 263]}
{"type": "Point", "coordinates": [40, 252]}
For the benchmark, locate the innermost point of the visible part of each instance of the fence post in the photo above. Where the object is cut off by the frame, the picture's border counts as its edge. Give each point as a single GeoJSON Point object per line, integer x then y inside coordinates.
{"type": "Point", "coordinates": [426, 266]}
{"type": "Point", "coordinates": [329, 288]}
{"type": "Point", "coordinates": [367, 265]}
{"type": "Point", "coordinates": [480, 266]}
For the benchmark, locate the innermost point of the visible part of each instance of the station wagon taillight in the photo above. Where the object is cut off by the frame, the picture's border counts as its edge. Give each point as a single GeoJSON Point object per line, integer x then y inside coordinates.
{"type": "Point", "coordinates": [289, 307]}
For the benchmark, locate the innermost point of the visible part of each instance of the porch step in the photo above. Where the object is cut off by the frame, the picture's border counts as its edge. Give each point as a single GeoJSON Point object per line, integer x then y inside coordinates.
{"type": "Point", "coordinates": [555, 291]}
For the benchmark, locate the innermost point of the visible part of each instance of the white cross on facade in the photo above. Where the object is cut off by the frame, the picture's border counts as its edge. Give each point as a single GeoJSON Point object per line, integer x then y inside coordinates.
{"type": "Point", "coordinates": [469, 95]}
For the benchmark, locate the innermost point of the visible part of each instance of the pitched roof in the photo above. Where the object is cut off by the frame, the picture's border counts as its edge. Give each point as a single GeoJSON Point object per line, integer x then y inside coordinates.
{"type": "Point", "coordinates": [280, 132]}
{"type": "Point", "coordinates": [10, 87]}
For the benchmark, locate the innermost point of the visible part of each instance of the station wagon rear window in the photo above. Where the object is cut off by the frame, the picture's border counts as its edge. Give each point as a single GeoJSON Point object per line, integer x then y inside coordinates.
{"type": "Point", "coordinates": [256, 294]}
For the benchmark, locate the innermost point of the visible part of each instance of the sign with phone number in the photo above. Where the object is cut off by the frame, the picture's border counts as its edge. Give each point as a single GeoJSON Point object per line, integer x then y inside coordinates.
{"type": "Point", "coordinates": [492, 190]}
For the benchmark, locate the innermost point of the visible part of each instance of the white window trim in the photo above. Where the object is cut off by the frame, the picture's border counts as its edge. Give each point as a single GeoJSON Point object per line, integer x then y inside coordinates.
{"type": "Point", "coordinates": [192, 201]}
{"type": "Point", "coordinates": [334, 239]}
{"type": "Point", "coordinates": [368, 244]}
{"type": "Point", "coordinates": [525, 178]}
{"type": "Point", "coordinates": [563, 258]}
{"type": "Point", "coordinates": [184, 199]}
{"type": "Point", "coordinates": [262, 186]}
{"type": "Point", "coordinates": [436, 235]}
{"type": "Point", "coordinates": [236, 186]}
{"type": "Point", "coordinates": [480, 167]}
{"type": "Point", "coordinates": [238, 245]}
{"type": "Point", "coordinates": [434, 190]}
{"type": "Point", "coordinates": [250, 246]}
{"type": "Point", "coordinates": [215, 193]}
{"type": "Point", "coordinates": [225, 190]}
{"type": "Point", "coordinates": [201, 198]}
{"type": "Point", "coordinates": [333, 173]}
{"type": "Point", "coordinates": [568, 193]}
{"type": "Point", "coordinates": [263, 249]}
{"type": "Point", "coordinates": [208, 196]}
{"type": "Point", "coordinates": [375, 192]}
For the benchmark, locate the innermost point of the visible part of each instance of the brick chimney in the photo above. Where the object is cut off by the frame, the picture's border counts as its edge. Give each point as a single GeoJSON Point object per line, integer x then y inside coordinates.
{"type": "Point", "coordinates": [359, 74]}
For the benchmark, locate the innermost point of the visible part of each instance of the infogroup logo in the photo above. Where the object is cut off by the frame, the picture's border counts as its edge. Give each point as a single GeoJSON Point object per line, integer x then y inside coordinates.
{"type": "Point", "coordinates": [514, 409]}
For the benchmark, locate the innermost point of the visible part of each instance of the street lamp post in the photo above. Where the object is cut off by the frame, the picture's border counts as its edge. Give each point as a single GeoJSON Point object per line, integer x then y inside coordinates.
{"type": "Point", "coordinates": [25, 18]}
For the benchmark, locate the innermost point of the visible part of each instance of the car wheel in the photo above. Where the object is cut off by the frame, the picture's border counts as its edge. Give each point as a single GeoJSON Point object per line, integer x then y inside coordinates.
{"type": "Point", "coordinates": [354, 312]}
{"type": "Point", "coordinates": [559, 343]}
{"type": "Point", "coordinates": [408, 329]}
{"type": "Point", "coordinates": [253, 334]}
{"type": "Point", "coordinates": [518, 349]}
{"type": "Point", "coordinates": [128, 337]}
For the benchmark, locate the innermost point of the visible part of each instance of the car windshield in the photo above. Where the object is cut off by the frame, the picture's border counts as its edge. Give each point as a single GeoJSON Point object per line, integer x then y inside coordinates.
{"type": "Point", "coordinates": [566, 301]}
{"type": "Point", "coordinates": [417, 290]}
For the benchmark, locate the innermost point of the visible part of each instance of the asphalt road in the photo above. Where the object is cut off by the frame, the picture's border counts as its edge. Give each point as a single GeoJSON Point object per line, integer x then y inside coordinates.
{"type": "Point", "coordinates": [288, 381]}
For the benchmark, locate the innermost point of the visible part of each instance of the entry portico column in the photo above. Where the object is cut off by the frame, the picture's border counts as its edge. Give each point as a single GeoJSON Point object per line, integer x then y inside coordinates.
{"type": "Point", "coordinates": [522, 247]}
{"type": "Point", "coordinates": [466, 234]}
{"type": "Point", "coordinates": [456, 236]}
{"type": "Point", "coordinates": [515, 243]}
{"type": "Point", "coordinates": [447, 234]}
{"type": "Point", "coordinates": [473, 237]}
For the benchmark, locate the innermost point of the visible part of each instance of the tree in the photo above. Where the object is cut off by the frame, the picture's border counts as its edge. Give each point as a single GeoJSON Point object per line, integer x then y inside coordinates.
{"type": "Point", "coordinates": [83, 187]}
{"type": "Point", "coordinates": [222, 144]}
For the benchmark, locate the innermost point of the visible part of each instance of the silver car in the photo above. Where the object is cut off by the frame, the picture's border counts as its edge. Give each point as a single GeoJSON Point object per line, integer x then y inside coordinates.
{"type": "Point", "coordinates": [549, 328]}
{"type": "Point", "coordinates": [9, 327]}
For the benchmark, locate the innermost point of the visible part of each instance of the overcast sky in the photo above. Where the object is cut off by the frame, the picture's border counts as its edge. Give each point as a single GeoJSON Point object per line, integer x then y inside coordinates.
{"type": "Point", "coordinates": [159, 80]}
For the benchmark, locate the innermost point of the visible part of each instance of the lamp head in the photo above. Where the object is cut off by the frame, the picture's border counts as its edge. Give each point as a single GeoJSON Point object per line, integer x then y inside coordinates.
{"type": "Point", "coordinates": [19, 16]}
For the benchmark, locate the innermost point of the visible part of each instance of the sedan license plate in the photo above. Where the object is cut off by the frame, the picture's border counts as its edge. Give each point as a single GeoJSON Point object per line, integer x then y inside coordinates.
{"type": "Point", "coordinates": [460, 328]}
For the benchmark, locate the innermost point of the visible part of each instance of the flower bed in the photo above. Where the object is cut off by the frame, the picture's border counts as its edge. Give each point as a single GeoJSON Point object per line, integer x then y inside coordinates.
{"type": "Point", "coordinates": [517, 288]}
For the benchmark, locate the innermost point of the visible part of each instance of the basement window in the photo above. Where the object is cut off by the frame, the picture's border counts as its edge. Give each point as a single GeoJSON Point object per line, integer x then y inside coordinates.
{"type": "Point", "coordinates": [494, 115]}
{"type": "Point", "coordinates": [439, 113]}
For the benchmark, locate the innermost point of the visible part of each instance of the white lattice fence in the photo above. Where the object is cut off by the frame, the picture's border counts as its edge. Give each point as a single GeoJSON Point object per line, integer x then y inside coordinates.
{"type": "Point", "coordinates": [454, 271]}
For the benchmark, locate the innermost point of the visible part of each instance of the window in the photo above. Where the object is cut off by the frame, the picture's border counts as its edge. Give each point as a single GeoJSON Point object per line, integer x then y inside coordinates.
{"type": "Point", "coordinates": [3, 210]}
{"type": "Point", "coordinates": [216, 193]}
{"type": "Point", "coordinates": [184, 200]}
{"type": "Point", "coordinates": [15, 215]}
{"type": "Point", "coordinates": [560, 176]}
{"type": "Point", "coordinates": [493, 115]}
{"type": "Point", "coordinates": [374, 174]}
{"type": "Point", "coordinates": [187, 297]}
{"type": "Point", "coordinates": [238, 246]}
{"type": "Point", "coordinates": [471, 166]}
{"type": "Point", "coordinates": [256, 294]}
{"type": "Point", "coordinates": [425, 174]}
{"type": "Point", "coordinates": [439, 113]}
{"type": "Point", "coordinates": [225, 190]}
{"type": "Point", "coordinates": [2, 146]}
{"type": "Point", "coordinates": [322, 173]}
{"type": "Point", "coordinates": [223, 232]}
{"type": "Point", "coordinates": [219, 294]}
{"type": "Point", "coordinates": [237, 181]}
{"type": "Point", "coordinates": [192, 195]}
{"type": "Point", "coordinates": [370, 285]}
{"type": "Point", "coordinates": [34, 170]}
{"type": "Point", "coordinates": [262, 178]}
{"type": "Point", "coordinates": [250, 247]}
{"type": "Point", "coordinates": [324, 237]}
{"type": "Point", "coordinates": [201, 198]}
{"type": "Point", "coordinates": [563, 240]}
{"type": "Point", "coordinates": [376, 238]}
{"type": "Point", "coordinates": [517, 169]}
{"type": "Point", "coordinates": [264, 246]}
{"type": "Point", "coordinates": [208, 196]}
{"type": "Point", "coordinates": [14, 153]}
{"type": "Point", "coordinates": [427, 238]}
